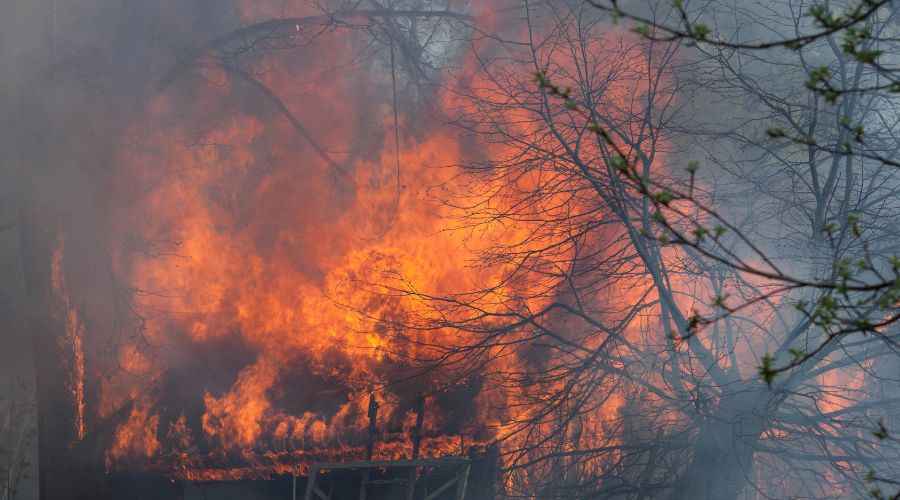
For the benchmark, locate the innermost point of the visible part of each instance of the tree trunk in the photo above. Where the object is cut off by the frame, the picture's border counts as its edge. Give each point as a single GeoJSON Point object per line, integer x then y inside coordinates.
{"type": "Point", "coordinates": [56, 356]}
{"type": "Point", "coordinates": [42, 187]}
{"type": "Point", "coordinates": [722, 460]}
{"type": "Point", "coordinates": [64, 154]}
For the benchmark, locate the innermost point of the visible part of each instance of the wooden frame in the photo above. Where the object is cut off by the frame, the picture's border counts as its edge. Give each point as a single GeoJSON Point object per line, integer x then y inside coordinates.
{"type": "Point", "coordinates": [459, 481]}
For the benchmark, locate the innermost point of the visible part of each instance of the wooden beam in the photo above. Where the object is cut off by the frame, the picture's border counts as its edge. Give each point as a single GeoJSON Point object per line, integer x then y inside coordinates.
{"type": "Point", "coordinates": [311, 482]}
{"type": "Point", "coordinates": [463, 482]}
{"type": "Point", "coordinates": [321, 493]}
{"type": "Point", "coordinates": [381, 464]}
{"type": "Point", "coordinates": [444, 487]}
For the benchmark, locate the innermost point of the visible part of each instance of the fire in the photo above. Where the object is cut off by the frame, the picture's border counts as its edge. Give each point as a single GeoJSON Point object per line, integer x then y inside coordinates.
{"type": "Point", "coordinates": [287, 274]}
{"type": "Point", "coordinates": [71, 343]}
{"type": "Point", "coordinates": [138, 434]}
{"type": "Point", "coordinates": [225, 280]}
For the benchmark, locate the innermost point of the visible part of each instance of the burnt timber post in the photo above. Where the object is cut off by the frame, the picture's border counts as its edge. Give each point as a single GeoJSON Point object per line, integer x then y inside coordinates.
{"type": "Point", "coordinates": [370, 441]}
{"type": "Point", "coordinates": [420, 418]}
{"type": "Point", "coordinates": [373, 415]}
{"type": "Point", "coordinates": [419, 407]}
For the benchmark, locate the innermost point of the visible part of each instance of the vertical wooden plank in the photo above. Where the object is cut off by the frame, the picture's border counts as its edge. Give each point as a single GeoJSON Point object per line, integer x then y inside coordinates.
{"type": "Point", "coordinates": [419, 407]}
{"type": "Point", "coordinates": [420, 418]}
{"type": "Point", "coordinates": [370, 443]}
{"type": "Point", "coordinates": [370, 436]}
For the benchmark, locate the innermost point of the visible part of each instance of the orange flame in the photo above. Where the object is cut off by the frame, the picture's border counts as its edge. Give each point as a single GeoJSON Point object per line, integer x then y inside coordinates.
{"type": "Point", "coordinates": [241, 238]}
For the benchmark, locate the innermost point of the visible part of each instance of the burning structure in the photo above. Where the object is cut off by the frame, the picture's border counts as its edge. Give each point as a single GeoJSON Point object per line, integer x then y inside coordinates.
{"type": "Point", "coordinates": [396, 249]}
{"type": "Point", "coordinates": [271, 169]}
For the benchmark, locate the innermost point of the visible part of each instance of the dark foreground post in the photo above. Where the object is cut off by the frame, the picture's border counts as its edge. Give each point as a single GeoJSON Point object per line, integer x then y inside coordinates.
{"type": "Point", "coordinates": [370, 440]}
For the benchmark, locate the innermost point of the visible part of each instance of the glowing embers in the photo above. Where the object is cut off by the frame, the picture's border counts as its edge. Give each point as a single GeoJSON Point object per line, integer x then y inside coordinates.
{"type": "Point", "coordinates": [290, 452]}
